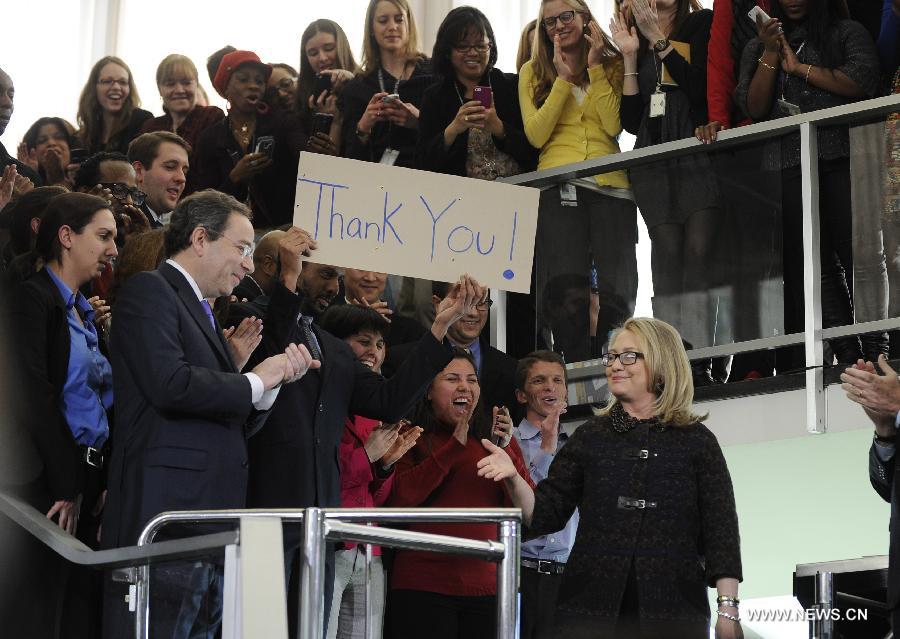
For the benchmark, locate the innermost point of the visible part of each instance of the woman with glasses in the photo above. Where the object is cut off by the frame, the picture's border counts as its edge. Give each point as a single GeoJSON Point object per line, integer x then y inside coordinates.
{"type": "Point", "coordinates": [663, 44]}
{"type": "Point", "coordinates": [454, 597]}
{"type": "Point", "coordinates": [67, 385]}
{"type": "Point", "coordinates": [658, 520]}
{"type": "Point", "coordinates": [108, 109]}
{"type": "Point", "coordinates": [178, 84]}
{"type": "Point", "coordinates": [381, 104]}
{"type": "Point", "coordinates": [569, 93]}
{"type": "Point", "coordinates": [470, 123]}
{"type": "Point", "coordinates": [281, 88]}
{"type": "Point", "coordinates": [326, 64]}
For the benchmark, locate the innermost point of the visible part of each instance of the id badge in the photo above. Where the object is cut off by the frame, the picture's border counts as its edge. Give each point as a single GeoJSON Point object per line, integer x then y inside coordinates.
{"type": "Point", "coordinates": [568, 196]}
{"type": "Point", "coordinates": [389, 156]}
{"type": "Point", "coordinates": [789, 107]}
{"type": "Point", "coordinates": [657, 104]}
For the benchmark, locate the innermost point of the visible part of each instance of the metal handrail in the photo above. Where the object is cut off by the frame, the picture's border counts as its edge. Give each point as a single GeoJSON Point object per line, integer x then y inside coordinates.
{"type": "Point", "coordinates": [725, 139]}
{"type": "Point", "coordinates": [71, 549]}
{"type": "Point", "coordinates": [321, 524]}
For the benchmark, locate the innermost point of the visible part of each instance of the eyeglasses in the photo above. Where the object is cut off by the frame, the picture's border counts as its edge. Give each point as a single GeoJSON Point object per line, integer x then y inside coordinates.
{"type": "Point", "coordinates": [565, 17]}
{"type": "Point", "coordinates": [285, 84]}
{"type": "Point", "coordinates": [108, 82]}
{"type": "Point", "coordinates": [246, 250]}
{"type": "Point", "coordinates": [121, 191]}
{"type": "Point", "coordinates": [485, 305]}
{"type": "Point", "coordinates": [481, 47]}
{"type": "Point", "coordinates": [627, 358]}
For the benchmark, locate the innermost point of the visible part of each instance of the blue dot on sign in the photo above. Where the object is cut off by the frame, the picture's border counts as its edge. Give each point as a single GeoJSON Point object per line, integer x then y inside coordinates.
{"type": "Point", "coordinates": [507, 274]}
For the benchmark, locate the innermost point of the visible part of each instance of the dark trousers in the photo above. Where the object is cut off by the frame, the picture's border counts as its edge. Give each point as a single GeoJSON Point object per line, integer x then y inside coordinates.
{"type": "Point", "coordinates": [836, 252]}
{"type": "Point", "coordinates": [538, 605]}
{"type": "Point", "coordinates": [599, 228]}
{"type": "Point", "coordinates": [413, 614]}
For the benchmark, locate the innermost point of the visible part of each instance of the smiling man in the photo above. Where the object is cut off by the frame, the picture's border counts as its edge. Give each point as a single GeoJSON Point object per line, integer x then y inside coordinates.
{"type": "Point", "coordinates": [541, 387]}
{"type": "Point", "coordinates": [160, 161]}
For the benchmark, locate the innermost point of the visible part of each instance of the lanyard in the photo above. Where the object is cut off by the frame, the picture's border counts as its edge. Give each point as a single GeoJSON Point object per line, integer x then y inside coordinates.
{"type": "Point", "coordinates": [396, 84]}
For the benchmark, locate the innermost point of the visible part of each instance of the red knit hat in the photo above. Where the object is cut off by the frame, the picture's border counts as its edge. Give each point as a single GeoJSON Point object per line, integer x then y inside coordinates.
{"type": "Point", "coordinates": [230, 64]}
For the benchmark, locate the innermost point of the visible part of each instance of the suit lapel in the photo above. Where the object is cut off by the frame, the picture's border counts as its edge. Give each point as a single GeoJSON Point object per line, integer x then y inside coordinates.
{"type": "Point", "coordinates": [195, 310]}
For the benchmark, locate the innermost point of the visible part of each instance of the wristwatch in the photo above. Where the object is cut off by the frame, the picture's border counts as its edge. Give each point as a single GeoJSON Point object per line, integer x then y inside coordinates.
{"type": "Point", "coordinates": [661, 45]}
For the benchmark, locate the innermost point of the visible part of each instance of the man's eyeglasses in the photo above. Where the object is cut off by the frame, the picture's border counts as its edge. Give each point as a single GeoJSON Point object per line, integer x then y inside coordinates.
{"type": "Point", "coordinates": [481, 47]}
{"type": "Point", "coordinates": [485, 305]}
{"type": "Point", "coordinates": [245, 249]}
{"type": "Point", "coordinates": [121, 191]}
{"type": "Point", "coordinates": [565, 17]}
{"type": "Point", "coordinates": [627, 358]}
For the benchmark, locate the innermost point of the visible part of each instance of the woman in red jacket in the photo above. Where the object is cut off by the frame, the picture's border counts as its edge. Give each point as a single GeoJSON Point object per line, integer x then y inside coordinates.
{"type": "Point", "coordinates": [454, 597]}
{"type": "Point", "coordinates": [368, 452]}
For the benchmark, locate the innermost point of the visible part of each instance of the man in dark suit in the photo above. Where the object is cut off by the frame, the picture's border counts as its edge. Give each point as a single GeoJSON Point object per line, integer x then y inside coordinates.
{"type": "Point", "coordinates": [25, 177]}
{"type": "Point", "coordinates": [294, 459]}
{"type": "Point", "coordinates": [879, 395]}
{"type": "Point", "coordinates": [182, 409]}
{"type": "Point", "coordinates": [496, 369]}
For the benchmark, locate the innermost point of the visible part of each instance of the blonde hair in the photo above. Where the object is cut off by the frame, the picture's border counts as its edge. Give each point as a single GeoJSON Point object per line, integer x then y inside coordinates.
{"type": "Point", "coordinates": [544, 71]}
{"type": "Point", "coordinates": [176, 65]}
{"type": "Point", "coordinates": [668, 371]}
{"type": "Point", "coordinates": [526, 44]}
{"type": "Point", "coordinates": [90, 113]}
{"type": "Point", "coordinates": [371, 54]}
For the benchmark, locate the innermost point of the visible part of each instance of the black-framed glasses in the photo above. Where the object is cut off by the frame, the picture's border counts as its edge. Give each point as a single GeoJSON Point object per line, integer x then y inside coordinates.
{"type": "Point", "coordinates": [245, 249]}
{"type": "Point", "coordinates": [565, 17]}
{"type": "Point", "coordinates": [485, 305]}
{"type": "Point", "coordinates": [121, 191]}
{"type": "Point", "coordinates": [627, 358]}
{"type": "Point", "coordinates": [481, 47]}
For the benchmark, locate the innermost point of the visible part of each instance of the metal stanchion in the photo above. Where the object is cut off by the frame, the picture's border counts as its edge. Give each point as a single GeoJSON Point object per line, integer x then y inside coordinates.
{"type": "Point", "coordinates": [312, 575]}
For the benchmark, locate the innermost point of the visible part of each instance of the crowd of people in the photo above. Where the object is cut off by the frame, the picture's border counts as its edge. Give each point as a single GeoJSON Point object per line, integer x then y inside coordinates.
{"type": "Point", "coordinates": [177, 349]}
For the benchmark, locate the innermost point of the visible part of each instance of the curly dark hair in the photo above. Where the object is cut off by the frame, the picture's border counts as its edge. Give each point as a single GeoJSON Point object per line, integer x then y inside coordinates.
{"type": "Point", "coordinates": [88, 175]}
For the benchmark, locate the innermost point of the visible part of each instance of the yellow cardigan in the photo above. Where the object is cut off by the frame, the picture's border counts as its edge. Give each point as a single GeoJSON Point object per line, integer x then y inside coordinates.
{"type": "Point", "coordinates": [567, 132]}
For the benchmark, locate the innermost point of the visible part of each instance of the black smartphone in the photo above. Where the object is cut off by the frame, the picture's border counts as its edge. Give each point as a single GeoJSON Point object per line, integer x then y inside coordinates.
{"type": "Point", "coordinates": [265, 144]}
{"type": "Point", "coordinates": [321, 123]}
{"type": "Point", "coordinates": [322, 83]}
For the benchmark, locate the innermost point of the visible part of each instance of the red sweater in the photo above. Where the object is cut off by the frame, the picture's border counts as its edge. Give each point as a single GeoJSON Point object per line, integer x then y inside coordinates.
{"type": "Point", "coordinates": [441, 473]}
{"type": "Point", "coordinates": [720, 62]}
{"type": "Point", "coordinates": [360, 488]}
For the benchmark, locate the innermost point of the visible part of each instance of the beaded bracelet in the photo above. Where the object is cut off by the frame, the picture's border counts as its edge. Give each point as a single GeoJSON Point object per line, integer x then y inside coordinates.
{"type": "Point", "coordinates": [727, 616]}
{"type": "Point", "coordinates": [808, 69]}
{"type": "Point", "coordinates": [765, 64]}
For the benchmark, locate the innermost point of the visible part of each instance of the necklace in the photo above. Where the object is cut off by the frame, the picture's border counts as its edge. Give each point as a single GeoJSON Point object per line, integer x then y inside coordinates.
{"type": "Point", "coordinates": [242, 134]}
{"type": "Point", "coordinates": [622, 422]}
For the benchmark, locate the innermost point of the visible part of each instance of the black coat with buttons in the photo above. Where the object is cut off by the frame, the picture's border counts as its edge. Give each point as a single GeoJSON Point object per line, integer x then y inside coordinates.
{"type": "Point", "coordinates": [657, 501]}
{"type": "Point", "coordinates": [294, 457]}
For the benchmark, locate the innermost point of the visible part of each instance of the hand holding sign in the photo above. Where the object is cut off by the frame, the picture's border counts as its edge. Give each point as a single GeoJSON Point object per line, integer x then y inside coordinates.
{"type": "Point", "coordinates": [460, 301]}
{"type": "Point", "coordinates": [291, 249]}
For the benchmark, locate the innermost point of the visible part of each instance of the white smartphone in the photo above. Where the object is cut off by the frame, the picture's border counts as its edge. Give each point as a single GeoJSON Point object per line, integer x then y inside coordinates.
{"type": "Point", "coordinates": [756, 11]}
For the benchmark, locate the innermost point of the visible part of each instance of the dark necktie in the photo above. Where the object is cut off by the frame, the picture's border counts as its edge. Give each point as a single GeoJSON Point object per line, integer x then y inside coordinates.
{"type": "Point", "coordinates": [310, 338]}
{"type": "Point", "coordinates": [209, 314]}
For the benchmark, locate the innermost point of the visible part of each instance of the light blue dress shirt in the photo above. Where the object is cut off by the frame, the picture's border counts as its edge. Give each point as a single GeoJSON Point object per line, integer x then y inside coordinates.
{"type": "Point", "coordinates": [555, 546]}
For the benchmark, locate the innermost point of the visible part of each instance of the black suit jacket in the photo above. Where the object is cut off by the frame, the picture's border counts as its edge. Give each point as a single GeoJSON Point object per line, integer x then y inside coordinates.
{"type": "Point", "coordinates": [181, 408]}
{"type": "Point", "coordinates": [497, 378]}
{"type": "Point", "coordinates": [38, 313]}
{"type": "Point", "coordinates": [294, 459]}
{"type": "Point", "coordinates": [886, 482]}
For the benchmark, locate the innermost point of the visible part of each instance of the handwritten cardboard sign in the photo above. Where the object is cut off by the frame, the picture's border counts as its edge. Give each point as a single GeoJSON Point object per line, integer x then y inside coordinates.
{"type": "Point", "coordinates": [401, 221]}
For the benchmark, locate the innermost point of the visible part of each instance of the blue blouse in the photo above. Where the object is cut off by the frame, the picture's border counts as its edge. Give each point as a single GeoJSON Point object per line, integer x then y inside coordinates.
{"type": "Point", "coordinates": [87, 393]}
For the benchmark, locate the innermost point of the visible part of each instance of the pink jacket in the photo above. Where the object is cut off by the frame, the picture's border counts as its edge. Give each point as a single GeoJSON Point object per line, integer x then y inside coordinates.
{"type": "Point", "coordinates": [360, 488]}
